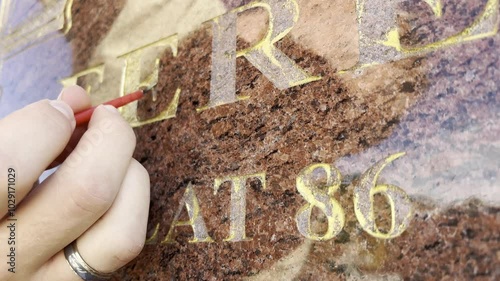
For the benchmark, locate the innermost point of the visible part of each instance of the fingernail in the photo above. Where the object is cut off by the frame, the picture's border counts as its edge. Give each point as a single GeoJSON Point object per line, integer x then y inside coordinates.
{"type": "Point", "coordinates": [61, 94]}
{"type": "Point", "coordinates": [111, 109]}
{"type": "Point", "coordinates": [64, 109]}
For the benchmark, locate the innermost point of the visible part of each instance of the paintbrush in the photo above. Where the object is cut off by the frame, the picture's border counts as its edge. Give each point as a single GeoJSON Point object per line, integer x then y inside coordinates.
{"type": "Point", "coordinates": [83, 117]}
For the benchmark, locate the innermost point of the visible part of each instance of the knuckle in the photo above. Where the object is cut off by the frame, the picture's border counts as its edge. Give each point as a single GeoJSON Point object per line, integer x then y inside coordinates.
{"type": "Point", "coordinates": [92, 196]}
{"type": "Point", "coordinates": [127, 248]}
{"type": "Point", "coordinates": [119, 130]}
{"type": "Point", "coordinates": [52, 118]}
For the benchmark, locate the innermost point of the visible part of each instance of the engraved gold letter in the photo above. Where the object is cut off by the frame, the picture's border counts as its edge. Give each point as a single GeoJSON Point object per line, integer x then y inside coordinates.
{"type": "Point", "coordinates": [401, 208]}
{"type": "Point", "coordinates": [274, 64]}
{"type": "Point", "coordinates": [73, 80]}
{"type": "Point", "coordinates": [238, 204]}
{"type": "Point", "coordinates": [195, 219]}
{"type": "Point", "coordinates": [152, 239]}
{"type": "Point", "coordinates": [131, 81]}
{"type": "Point", "coordinates": [379, 38]}
{"type": "Point", "coordinates": [52, 17]}
{"type": "Point", "coordinates": [321, 197]}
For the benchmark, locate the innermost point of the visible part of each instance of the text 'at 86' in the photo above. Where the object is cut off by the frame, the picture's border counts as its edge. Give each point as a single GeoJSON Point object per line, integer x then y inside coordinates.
{"type": "Point", "coordinates": [317, 184]}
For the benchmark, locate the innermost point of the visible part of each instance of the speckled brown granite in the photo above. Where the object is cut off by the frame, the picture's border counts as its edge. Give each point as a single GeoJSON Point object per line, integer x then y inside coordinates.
{"type": "Point", "coordinates": [198, 148]}
{"type": "Point", "coordinates": [418, 26]}
{"type": "Point", "coordinates": [459, 243]}
{"type": "Point", "coordinates": [455, 123]}
{"type": "Point", "coordinates": [462, 95]}
{"type": "Point", "coordinates": [92, 19]}
{"type": "Point", "coordinates": [281, 132]}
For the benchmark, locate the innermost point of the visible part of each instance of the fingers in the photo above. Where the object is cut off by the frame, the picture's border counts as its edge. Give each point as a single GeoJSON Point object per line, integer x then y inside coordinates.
{"type": "Point", "coordinates": [80, 192]}
{"type": "Point", "coordinates": [73, 141]}
{"type": "Point", "coordinates": [118, 237]}
{"type": "Point", "coordinates": [31, 138]}
{"type": "Point", "coordinates": [78, 100]}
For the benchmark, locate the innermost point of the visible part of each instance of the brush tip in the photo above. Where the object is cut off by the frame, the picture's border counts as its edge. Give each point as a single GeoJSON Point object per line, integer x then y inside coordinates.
{"type": "Point", "coordinates": [145, 89]}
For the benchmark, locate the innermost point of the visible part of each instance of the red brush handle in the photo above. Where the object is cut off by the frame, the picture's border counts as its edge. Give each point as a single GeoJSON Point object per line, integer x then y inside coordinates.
{"type": "Point", "coordinates": [83, 117]}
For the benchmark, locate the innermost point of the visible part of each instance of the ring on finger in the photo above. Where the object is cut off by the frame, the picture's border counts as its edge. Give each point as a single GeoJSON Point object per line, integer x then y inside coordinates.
{"type": "Point", "coordinates": [80, 267]}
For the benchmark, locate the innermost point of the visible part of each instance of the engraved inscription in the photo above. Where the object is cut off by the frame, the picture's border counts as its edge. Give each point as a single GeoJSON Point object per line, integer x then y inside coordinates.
{"type": "Point", "coordinates": [55, 16]}
{"type": "Point", "coordinates": [322, 198]}
{"type": "Point", "coordinates": [364, 192]}
{"type": "Point", "coordinates": [154, 236]}
{"type": "Point", "coordinates": [436, 6]}
{"type": "Point", "coordinates": [196, 221]}
{"type": "Point", "coordinates": [238, 204]}
{"type": "Point", "coordinates": [274, 64]}
{"type": "Point", "coordinates": [380, 43]}
{"type": "Point", "coordinates": [73, 80]}
{"type": "Point", "coordinates": [131, 80]}
{"type": "Point", "coordinates": [317, 183]}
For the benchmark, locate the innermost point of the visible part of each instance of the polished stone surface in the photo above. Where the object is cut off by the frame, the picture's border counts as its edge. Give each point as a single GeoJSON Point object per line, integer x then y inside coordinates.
{"type": "Point", "coordinates": [419, 77]}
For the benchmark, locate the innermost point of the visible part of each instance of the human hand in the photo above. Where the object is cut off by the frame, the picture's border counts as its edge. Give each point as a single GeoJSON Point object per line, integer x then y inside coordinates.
{"type": "Point", "coordinates": [99, 196]}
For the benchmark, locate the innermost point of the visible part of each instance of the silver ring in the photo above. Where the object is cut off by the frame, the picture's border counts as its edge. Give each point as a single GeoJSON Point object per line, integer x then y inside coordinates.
{"type": "Point", "coordinates": [80, 267]}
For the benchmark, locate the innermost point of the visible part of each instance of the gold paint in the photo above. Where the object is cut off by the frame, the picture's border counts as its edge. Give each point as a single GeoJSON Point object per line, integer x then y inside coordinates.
{"type": "Point", "coordinates": [169, 112]}
{"type": "Point", "coordinates": [153, 237]}
{"type": "Point", "coordinates": [147, 21]}
{"type": "Point", "coordinates": [392, 40]}
{"type": "Point", "coordinates": [322, 199]}
{"type": "Point", "coordinates": [485, 25]}
{"type": "Point", "coordinates": [73, 80]}
{"type": "Point", "coordinates": [360, 10]}
{"type": "Point", "coordinates": [68, 16]}
{"type": "Point", "coordinates": [196, 221]}
{"type": "Point", "coordinates": [4, 12]}
{"type": "Point", "coordinates": [274, 64]}
{"type": "Point", "coordinates": [468, 34]}
{"type": "Point", "coordinates": [55, 16]}
{"type": "Point", "coordinates": [223, 77]}
{"type": "Point", "coordinates": [131, 80]}
{"type": "Point", "coordinates": [490, 12]}
{"type": "Point", "coordinates": [436, 6]}
{"type": "Point", "coordinates": [358, 67]}
{"type": "Point", "coordinates": [364, 192]}
{"type": "Point", "coordinates": [271, 62]}
{"type": "Point", "coordinates": [237, 228]}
